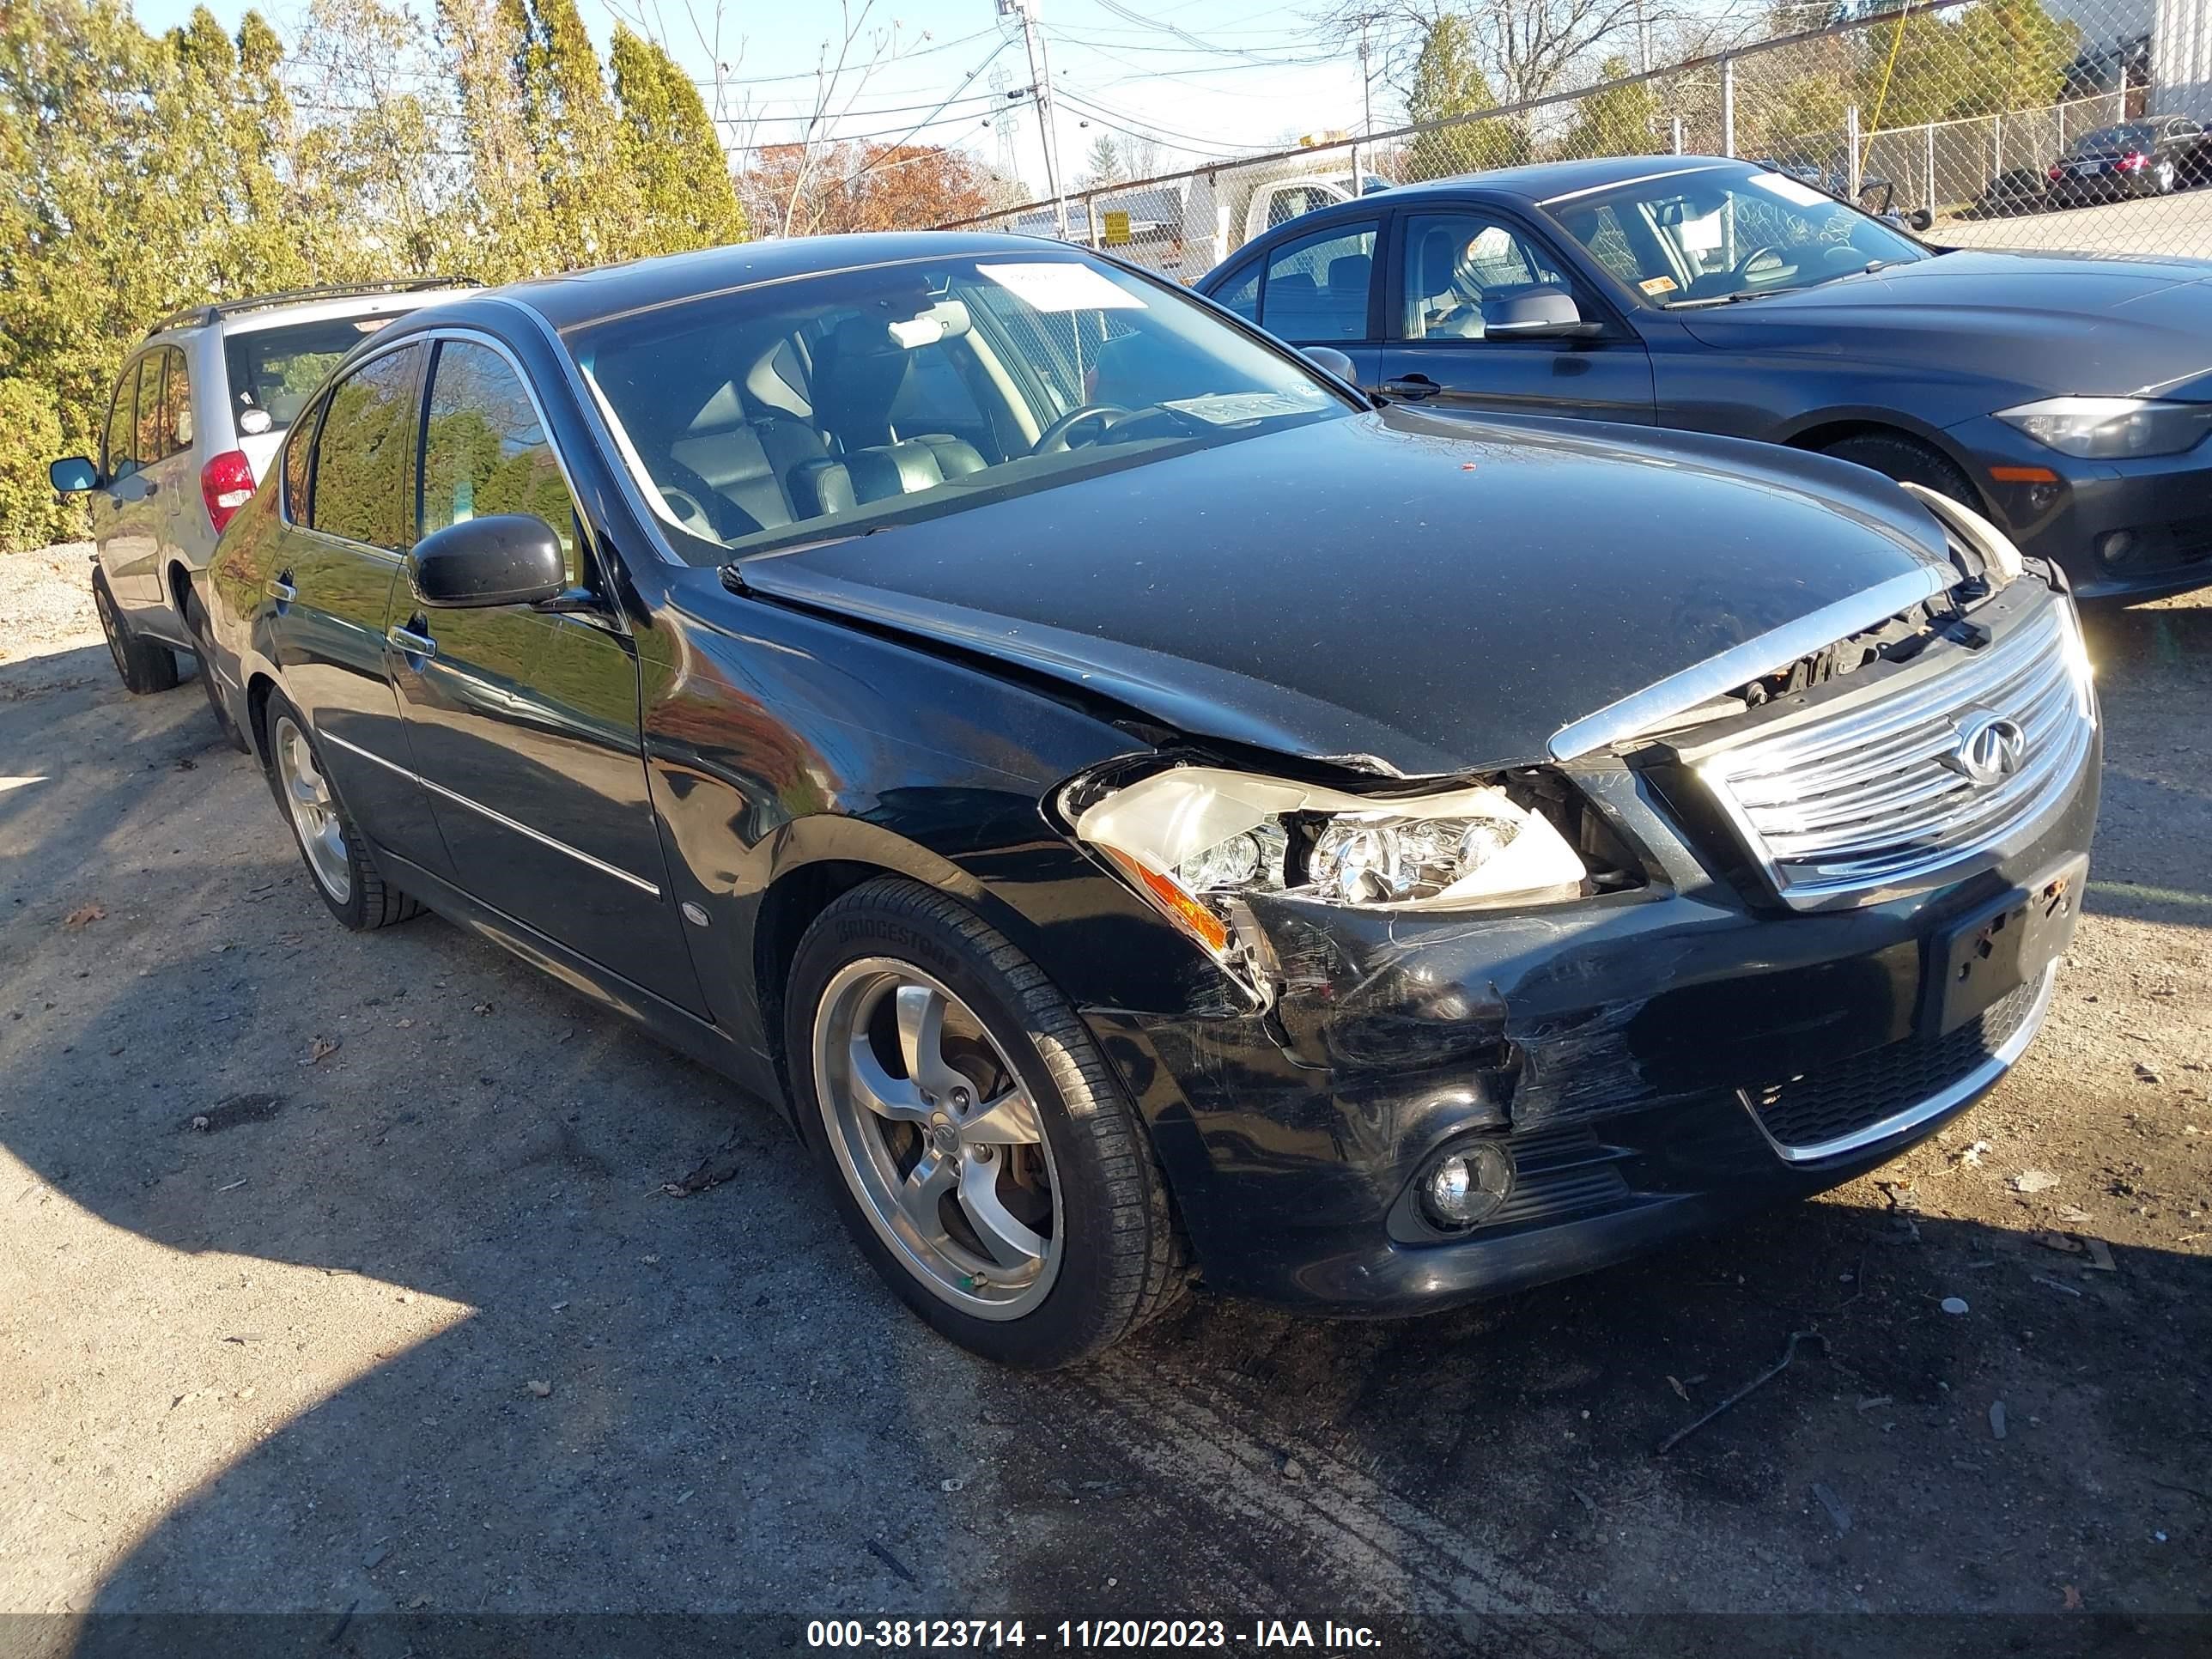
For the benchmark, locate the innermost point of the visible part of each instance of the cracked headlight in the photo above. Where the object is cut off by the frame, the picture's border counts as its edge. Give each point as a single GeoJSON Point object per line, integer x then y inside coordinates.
{"type": "Point", "coordinates": [1194, 839]}
{"type": "Point", "coordinates": [2111, 428]}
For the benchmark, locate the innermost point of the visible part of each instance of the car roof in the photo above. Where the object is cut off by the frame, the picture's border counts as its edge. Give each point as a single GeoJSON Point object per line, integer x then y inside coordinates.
{"type": "Point", "coordinates": [583, 297]}
{"type": "Point", "coordinates": [1547, 181]}
{"type": "Point", "coordinates": [309, 305]}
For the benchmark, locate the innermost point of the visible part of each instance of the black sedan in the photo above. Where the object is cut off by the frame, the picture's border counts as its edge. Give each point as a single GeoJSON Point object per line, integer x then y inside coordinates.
{"type": "Point", "coordinates": [2065, 397]}
{"type": "Point", "coordinates": [2152, 157]}
{"type": "Point", "coordinates": [1151, 813]}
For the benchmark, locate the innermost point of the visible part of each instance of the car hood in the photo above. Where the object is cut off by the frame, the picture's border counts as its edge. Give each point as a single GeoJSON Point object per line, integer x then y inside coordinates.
{"type": "Point", "coordinates": [1406, 593]}
{"type": "Point", "coordinates": [2038, 323]}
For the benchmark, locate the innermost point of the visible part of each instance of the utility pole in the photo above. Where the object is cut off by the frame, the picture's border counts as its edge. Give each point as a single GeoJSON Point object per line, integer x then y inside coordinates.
{"type": "Point", "coordinates": [1040, 91]}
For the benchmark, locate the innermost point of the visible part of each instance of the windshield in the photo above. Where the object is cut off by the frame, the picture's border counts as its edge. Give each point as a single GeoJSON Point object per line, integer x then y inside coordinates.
{"type": "Point", "coordinates": [2104, 138]}
{"type": "Point", "coordinates": [1721, 234]}
{"type": "Point", "coordinates": [841, 403]}
{"type": "Point", "coordinates": [272, 370]}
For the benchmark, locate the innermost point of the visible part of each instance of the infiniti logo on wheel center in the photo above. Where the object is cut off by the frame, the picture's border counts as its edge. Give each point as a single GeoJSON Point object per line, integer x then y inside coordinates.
{"type": "Point", "coordinates": [1990, 747]}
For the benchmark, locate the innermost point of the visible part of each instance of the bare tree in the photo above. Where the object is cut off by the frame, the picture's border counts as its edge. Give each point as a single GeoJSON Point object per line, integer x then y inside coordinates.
{"type": "Point", "coordinates": [1527, 48]}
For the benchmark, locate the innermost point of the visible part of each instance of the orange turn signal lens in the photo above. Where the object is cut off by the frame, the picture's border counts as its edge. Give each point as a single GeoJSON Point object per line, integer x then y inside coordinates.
{"type": "Point", "coordinates": [2023, 475]}
{"type": "Point", "coordinates": [1171, 902]}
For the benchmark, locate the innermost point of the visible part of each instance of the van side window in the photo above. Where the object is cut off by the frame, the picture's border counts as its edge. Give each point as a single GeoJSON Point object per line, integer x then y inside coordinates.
{"type": "Point", "coordinates": [119, 457]}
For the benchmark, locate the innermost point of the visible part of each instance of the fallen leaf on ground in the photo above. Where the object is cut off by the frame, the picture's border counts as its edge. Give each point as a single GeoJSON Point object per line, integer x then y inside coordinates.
{"type": "Point", "coordinates": [321, 1048]}
{"type": "Point", "coordinates": [2073, 1599]}
{"type": "Point", "coordinates": [539, 1389]}
{"type": "Point", "coordinates": [83, 916]}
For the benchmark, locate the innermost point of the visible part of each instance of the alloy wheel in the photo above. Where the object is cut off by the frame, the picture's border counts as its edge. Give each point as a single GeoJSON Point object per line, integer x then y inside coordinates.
{"type": "Point", "coordinates": [314, 811]}
{"type": "Point", "coordinates": [938, 1137]}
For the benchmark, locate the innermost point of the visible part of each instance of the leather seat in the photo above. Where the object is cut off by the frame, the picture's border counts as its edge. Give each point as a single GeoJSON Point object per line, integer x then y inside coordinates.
{"type": "Point", "coordinates": [762, 469]}
{"type": "Point", "coordinates": [884, 471]}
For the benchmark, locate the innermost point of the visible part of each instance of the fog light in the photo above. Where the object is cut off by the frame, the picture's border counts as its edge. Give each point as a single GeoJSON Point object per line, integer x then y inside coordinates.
{"type": "Point", "coordinates": [2117, 548]}
{"type": "Point", "coordinates": [1467, 1187]}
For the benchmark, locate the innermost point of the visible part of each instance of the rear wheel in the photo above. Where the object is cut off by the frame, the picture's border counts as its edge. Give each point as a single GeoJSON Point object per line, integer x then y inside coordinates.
{"type": "Point", "coordinates": [330, 844]}
{"type": "Point", "coordinates": [1909, 461]}
{"type": "Point", "coordinates": [979, 1148]}
{"type": "Point", "coordinates": [196, 619]}
{"type": "Point", "coordinates": [144, 666]}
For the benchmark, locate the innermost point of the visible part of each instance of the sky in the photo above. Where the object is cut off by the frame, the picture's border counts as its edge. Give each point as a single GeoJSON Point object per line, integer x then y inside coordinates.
{"type": "Point", "coordinates": [1202, 78]}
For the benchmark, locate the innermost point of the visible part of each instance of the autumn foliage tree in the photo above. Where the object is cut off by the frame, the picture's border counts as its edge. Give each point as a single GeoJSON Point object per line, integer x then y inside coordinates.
{"type": "Point", "coordinates": [825, 189]}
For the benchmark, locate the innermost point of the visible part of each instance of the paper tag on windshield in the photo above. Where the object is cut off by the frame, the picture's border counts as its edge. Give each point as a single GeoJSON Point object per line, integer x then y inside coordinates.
{"type": "Point", "coordinates": [1655, 286]}
{"type": "Point", "coordinates": [1061, 286]}
{"type": "Point", "coordinates": [1789, 190]}
{"type": "Point", "coordinates": [1231, 408]}
{"type": "Point", "coordinates": [1700, 235]}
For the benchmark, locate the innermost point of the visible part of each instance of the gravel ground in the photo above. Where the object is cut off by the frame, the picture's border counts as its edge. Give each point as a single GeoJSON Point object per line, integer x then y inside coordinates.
{"type": "Point", "coordinates": [412, 1324]}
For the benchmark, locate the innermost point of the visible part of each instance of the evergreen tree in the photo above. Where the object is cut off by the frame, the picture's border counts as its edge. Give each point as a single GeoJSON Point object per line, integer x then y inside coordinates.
{"type": "Point", "coordinates": [671, 152]}
{"type": "Point", "coordinates": [1615, 120]}
{"type": "Point", "coordinates": [1448, 81]}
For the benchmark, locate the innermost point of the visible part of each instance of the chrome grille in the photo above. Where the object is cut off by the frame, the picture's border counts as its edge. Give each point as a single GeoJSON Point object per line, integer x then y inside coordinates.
{"type": "Point", "coordinates": [1872, 800]}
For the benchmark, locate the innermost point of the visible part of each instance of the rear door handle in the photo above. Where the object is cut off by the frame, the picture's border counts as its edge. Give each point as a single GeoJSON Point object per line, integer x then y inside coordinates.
{"type": "Point", "coordinates": [409, 643]}
{"type": "Point", "coordinates": [280, 589]}
{"type": "Point", "coordinates": [1412, 387]}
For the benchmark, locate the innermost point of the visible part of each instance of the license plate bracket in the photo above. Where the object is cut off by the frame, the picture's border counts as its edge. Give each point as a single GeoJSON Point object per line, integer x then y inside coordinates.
{"type": "Point", "coordinates": [1993, 951]}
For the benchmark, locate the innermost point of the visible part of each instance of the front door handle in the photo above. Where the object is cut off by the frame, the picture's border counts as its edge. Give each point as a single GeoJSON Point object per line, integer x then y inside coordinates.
{"type": "Point", "coordinates": [1411, 388]}
{"type": "Point", "coordinates": [280, 589]}
{"type": "Point", "coordinates": [409, 643]}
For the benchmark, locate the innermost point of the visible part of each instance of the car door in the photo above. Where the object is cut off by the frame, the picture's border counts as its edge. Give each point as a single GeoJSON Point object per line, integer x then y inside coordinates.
{"type": "Point", "coordinates": [1444, 265]}
{"type": "Point", "coordinates": [350, 500]}
{"type": "Point", "coordinates": [112, 505]}
{"type": "Point", "coordinates": [1317, 289]}
{"type": "Point", "coordinates": [130, 550]}
{"type": "Point", "coordinates": [179, 516]}
{"type": "Point", "coordinates": [523, 722]}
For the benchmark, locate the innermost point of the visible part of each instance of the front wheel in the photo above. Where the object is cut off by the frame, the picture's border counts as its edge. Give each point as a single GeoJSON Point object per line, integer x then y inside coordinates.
{"type": "Point", "coordinates": [979, 1146]}
{"type": "Point", "coordinates": [1909, 461]}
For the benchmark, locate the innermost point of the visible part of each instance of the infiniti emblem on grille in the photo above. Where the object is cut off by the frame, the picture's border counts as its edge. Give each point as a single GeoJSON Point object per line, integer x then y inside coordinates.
{"type": "Point", "coordinates": [1990, 747]}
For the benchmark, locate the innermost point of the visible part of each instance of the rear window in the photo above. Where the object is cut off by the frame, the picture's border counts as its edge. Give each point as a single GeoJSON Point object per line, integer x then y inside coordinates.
{"type": "Point", "coordinates": [273, 370]}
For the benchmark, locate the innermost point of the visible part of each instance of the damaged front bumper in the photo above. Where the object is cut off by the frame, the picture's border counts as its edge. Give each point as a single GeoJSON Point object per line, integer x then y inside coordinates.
{"type": "Point", "coordinates": [1635, 1052]}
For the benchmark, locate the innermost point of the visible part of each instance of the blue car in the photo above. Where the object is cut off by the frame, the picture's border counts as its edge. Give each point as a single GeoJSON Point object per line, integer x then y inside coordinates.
{"type": "Point", "coordinates": [2066, 397]}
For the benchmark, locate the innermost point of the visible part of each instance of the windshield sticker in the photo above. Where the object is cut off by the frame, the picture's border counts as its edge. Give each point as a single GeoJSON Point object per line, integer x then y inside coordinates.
{"type": "Point", "coordinates": [1789, 190]}
{"type": "Point", "coordinates": [1234, 408]}
{"type": "Point", "coordinates": [1061, 286]}
{"type": "Point", "coordinates": [1655, 286]}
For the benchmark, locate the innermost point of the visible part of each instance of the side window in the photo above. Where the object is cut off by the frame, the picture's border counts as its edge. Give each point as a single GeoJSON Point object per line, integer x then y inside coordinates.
{"type": "Point", "coordinates": [177, 401]}
{"type": "Point", "coordinates": [1456, 261]}
{"type": "Point", "coordinates": [1241, 293]}
{"type": "Point", "coordinates": [119, 458]}
{"type": "Point", "coordinates": [1316, 288]}
{"type": "Point", "coordinates": [360, 488]}
{"type": "Point", "coordinates": [150, 447]}
{"type": "Point", "coordinates": [299, 452]}
{"type": "Point", "coordinates": [484, 450]}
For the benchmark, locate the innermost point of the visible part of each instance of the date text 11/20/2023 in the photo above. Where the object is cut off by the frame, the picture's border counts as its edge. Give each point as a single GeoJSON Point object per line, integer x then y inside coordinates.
{"type": "Point", "coordinates": [1316, 1636]}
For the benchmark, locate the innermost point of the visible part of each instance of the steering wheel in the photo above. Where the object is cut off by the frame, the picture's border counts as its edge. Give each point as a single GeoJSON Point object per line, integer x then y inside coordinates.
{"type": "Point", "coordinates": [1742, 267]}
{"type": "Point", "coordinates": [687, 509]}
{"type": "Point", "coordinates": [1054, 437]}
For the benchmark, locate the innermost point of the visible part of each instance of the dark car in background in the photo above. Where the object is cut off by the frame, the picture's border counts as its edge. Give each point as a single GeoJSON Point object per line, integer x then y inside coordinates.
{"type": "Point", "coordinates": [1147, 810]}
{"type": "Point", "coordinates": [2066, 397]}
{"type": "Point", "coordinates": [2154, 156]}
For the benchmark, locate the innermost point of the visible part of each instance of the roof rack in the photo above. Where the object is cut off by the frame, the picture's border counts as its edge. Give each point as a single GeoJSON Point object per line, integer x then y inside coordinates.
{"type": "Point", "coordinates": [200, 316]}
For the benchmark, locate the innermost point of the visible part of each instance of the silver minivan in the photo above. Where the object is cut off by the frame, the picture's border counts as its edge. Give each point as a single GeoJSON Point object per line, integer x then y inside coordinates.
{"type": "Point", "coordinates": [199, 412]}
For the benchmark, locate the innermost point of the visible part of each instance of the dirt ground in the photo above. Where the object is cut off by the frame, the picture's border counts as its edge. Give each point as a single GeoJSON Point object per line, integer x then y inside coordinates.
{"type": "Point", "coordinates": [412, 1324]}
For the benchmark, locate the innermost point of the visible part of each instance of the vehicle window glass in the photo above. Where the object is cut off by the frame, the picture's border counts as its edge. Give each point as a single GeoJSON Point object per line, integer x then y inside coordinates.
{"type": "Point", "coordinates": [1316, 288]}
{"type": "Point", "coordinates": [861, 397]}
{"type": "Point", "coordinates": [1727, 232]}
{"type": "Point", "coordinates": [359, 489]}
{"type": "Point", "coordinates": [151, 444]}
{"type": "Point", "coordinates": [120, 459]}
{"type": "Point", "coordinates": [1455, 263]}
{"type": "Point", "coordinates": [298, 457]}
{"type": "Point", "coordinates": [484, 450]}
{"type": "Point", "coordinates": [1241, 293]}
{"type": "Point", "coordinates": [177, 402]}
{"type": "Point", "coordinates": [272, 371]}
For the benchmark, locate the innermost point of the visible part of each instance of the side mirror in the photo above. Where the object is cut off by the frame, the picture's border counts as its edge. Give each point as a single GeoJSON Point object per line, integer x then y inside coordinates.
{"type": "Point", "coordinates": [1329, 360]}
{"type": "Point", "coordinates": [1540, 314]}
{"type": "Point", "coordinates": [509, 558]}
{"type": "Point", "coordinates": [73, 476]}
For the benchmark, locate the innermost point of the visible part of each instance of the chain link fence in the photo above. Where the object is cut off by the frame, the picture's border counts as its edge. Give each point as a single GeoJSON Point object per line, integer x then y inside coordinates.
{"type": "Point", "coordinates": [2043, 123]}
